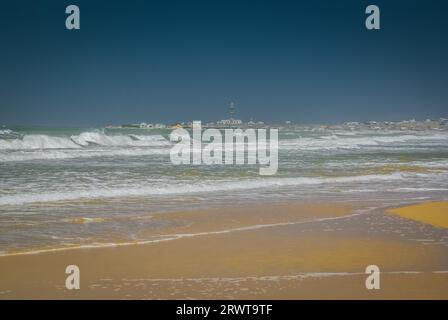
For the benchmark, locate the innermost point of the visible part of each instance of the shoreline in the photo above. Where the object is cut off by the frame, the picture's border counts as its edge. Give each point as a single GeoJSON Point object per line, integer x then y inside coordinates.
{"type": "Point", "coordinates": [291, 257]}
{"type": "Point", "coordinates": [198, 223]}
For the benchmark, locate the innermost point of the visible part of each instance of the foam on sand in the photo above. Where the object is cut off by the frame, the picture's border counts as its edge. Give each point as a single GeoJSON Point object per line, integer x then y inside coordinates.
{"type": "Point", "coordinates": [433, 213]}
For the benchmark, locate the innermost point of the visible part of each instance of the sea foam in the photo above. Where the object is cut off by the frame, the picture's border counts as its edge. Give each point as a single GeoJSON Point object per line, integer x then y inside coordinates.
{"type": "Point", "coordinates": [152, 189]}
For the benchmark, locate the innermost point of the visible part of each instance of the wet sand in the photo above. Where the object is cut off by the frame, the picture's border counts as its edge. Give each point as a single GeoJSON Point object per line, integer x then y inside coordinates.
{"type": "Point", "coordinates": [284, 251]}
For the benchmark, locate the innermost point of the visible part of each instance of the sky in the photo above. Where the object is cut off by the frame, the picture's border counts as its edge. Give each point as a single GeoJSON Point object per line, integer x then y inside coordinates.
{"type": "Point", "coordinates": [168, 61]}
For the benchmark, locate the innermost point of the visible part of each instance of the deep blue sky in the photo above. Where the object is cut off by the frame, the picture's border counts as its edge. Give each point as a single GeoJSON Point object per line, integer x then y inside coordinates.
{"type": "Point", "coordinates": [167, 61]}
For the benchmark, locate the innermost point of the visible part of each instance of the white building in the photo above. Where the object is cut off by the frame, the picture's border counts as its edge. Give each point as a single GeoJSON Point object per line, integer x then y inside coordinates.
{"type": "Point", "coordinates": [229, 122]}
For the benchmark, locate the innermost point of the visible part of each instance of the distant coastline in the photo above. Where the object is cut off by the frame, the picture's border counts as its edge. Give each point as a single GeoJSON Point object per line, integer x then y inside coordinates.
{"type": "Point", "coordinates": [403, 125]}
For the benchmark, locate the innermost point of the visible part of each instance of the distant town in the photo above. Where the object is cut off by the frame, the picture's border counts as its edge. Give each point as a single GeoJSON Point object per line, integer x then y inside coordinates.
{"type": "Point", "coordinates": [404, 125]}
{"type": "Point", "coordinates": [226, 123]}
{"type": "Point", "coordinates": [231, 122]}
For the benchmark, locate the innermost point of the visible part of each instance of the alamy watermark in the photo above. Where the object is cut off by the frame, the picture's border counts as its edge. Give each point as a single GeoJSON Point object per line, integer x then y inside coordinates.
{"type": "Point", "coordinates": [72, 282]}
{"type": "Point", "coordinates": [373, 280]}
{"type": "Point", "coordinates": [237, 146]}
{"type": "Point", "coordinates": [73, 20]}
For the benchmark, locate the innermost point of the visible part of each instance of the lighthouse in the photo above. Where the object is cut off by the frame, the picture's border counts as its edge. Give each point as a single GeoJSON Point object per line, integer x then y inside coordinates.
{"type": "Point", "coordinates": [231, 110]}
{"type": "Point", "coordinates": [231, 121]}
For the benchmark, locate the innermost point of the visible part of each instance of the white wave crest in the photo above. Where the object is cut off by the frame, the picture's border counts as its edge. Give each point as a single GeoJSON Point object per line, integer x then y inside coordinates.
{"type": "Point", "coordinates": [350, 142]}
{"type": "Point", "coordinates": [153, 190]}
{"type": "Point", "coordinates": [37, 141]}
{"type": "Point", "coordinates": [41, 141]}
{"type": "Point", "coordinates": [97, 138]}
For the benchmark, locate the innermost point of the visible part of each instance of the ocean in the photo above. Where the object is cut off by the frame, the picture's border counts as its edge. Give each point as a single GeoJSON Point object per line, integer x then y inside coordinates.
{"type": "Point", "coordinates": [71, 187]}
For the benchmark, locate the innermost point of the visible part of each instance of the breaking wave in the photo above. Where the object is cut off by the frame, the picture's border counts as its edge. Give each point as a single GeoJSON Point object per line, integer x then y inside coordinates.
{"type": "Point", "coordinates": [132, 140]}
{"type": "Point", "coordinates": [17, 147]}
{"type": "Point", "coordinates": [41, 141]}
{"type": "Point", "coordinates": [357, 142]}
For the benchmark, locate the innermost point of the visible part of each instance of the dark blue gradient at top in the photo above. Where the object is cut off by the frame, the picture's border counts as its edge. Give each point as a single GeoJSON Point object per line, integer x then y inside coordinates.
{"type": "Point", "coordinates": [168, 61]}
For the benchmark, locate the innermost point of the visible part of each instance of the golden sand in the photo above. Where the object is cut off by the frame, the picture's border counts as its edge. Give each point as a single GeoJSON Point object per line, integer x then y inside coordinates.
{"type": "Point", "coordinates": [285, 261]}
{"type": "Point", "coordinates": [433, 213]}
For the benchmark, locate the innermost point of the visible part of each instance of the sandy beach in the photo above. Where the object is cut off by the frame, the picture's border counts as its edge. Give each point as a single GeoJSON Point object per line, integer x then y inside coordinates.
{"type": "Point", "coordinates": [277, 251]}
{"type": "Point", "coordinates": [223, 150]}
{"type": "Point", "coordinates": [433, 213]}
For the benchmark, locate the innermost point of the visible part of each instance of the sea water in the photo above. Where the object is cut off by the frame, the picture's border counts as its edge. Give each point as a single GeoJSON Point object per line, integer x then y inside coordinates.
{"type": "Point", "coordinates": [66, 187]}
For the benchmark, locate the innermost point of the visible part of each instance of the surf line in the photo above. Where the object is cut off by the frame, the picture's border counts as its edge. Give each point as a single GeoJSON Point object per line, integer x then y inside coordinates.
{"type": "Point", "coordinates": [178, 236]}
